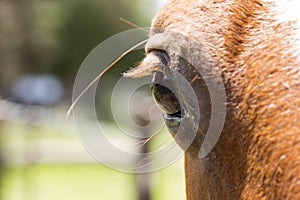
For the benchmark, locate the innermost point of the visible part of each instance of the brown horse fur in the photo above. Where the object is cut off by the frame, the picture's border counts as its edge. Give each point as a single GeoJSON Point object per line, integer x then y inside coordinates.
{"type": "Point", "coordinates": [258, 153]}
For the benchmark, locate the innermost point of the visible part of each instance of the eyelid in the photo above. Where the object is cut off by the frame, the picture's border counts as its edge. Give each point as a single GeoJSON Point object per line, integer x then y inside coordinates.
{"type": "Point", "coordinates": [160, 41]}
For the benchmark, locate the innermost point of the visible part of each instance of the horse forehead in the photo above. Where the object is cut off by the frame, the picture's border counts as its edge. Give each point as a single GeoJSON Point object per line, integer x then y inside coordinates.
{"type": "Point", "coordinates": [176, 11]}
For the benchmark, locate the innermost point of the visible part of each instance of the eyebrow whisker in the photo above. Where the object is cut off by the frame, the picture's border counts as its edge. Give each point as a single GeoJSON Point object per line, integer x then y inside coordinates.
{"type": "Point", "coordinates": [133, 24]}
{"type": "Point", "coordinates": [101, 74]}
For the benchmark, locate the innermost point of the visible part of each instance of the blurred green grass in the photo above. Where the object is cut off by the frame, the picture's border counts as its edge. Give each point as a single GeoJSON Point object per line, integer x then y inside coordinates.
{"type": "Point", "coordinates": [84, 181]}
{"type": "Point", "coordinates": [34, 180]}
{"type": "Point", "coordinates": [66, 181]}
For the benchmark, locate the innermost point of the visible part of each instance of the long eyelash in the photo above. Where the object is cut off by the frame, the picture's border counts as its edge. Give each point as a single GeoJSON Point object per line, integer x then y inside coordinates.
{"type": "Point", "coordinates": [101, 74]}
{"type": "Point", "coordinates": [149, 155]}
{"type": "Point", "coordinates": [133, 24]}
{"type": "Point", "coordinates": [144, 142]}
{"type": "Point", "coordinates": [145, 68]}
{"type": "Point", "coordinates": [194, 79]}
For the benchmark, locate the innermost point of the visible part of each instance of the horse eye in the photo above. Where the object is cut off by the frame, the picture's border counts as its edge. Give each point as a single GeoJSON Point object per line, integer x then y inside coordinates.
{"type": "Point", "coordinates": [161, 89]}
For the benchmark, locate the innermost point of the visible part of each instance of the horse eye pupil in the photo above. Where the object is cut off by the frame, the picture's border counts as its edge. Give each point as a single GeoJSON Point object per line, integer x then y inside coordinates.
{"type": "Point", "coordinates": [163, 96]}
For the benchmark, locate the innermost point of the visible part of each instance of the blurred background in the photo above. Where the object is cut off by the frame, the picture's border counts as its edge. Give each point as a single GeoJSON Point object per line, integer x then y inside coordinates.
{"type": "Point", "coordinates": [42, 45]}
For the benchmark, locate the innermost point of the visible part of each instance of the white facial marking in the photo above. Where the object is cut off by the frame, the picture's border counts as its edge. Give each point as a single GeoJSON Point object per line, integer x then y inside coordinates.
{"type": "Point", "coordinates": [289, 10]}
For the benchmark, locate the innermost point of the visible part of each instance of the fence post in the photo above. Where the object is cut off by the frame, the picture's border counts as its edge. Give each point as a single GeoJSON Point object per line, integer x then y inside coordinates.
{"type": "Point", "coordinates": [142, 119]}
